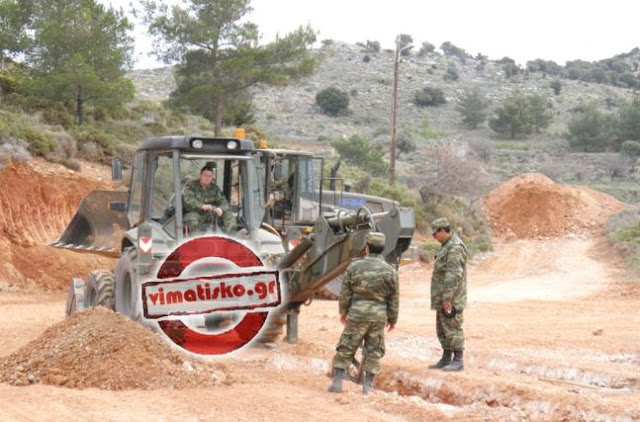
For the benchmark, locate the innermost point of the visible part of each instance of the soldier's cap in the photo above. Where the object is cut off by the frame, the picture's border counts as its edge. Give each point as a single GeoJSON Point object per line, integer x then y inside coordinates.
{"type": "Point", "coordinates": [440, 223]}
{"type": "Point", "coordinates": [375, 239]}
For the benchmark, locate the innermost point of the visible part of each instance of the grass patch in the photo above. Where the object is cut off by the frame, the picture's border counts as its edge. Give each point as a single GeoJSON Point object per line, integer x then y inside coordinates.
{"type": "Point", "coordinates": [511, 146]}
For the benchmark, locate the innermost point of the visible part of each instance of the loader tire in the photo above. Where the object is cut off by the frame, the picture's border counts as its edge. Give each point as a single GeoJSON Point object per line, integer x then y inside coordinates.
{"type": "Point", "coordinates": [100, 290]}
{"type": "Point", "coordinates": [275, 327]}
{"type": "Point", "coordinates": [331, 290]}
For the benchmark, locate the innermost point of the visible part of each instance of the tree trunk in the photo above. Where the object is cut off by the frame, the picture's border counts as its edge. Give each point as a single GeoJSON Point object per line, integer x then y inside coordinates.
{"type": "Point", "coordinates": [218, 118]}
{"type": "Point", "coordinates": [79, 107]}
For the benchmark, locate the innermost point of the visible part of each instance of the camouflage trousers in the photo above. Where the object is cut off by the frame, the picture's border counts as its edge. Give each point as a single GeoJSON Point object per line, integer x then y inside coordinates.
{"type": "Point", "coordinates": [201, 222]}
{"type": "Point", "coordinates": [373, 350]}
{"type": "Point", "coordinates": [449, 330]}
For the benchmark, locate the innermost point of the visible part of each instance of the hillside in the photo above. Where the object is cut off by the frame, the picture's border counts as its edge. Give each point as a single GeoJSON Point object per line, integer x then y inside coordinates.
{"type": "Point", "coordinates": [289, 115]}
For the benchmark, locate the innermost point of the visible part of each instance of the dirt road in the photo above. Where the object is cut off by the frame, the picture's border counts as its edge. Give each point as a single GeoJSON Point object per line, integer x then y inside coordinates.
{"type": "Point", "coordinates": [551, 335]}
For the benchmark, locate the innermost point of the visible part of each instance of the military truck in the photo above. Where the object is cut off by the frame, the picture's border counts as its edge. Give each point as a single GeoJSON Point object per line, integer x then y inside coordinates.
{"type": "Point", "coordinates": [144, 224]}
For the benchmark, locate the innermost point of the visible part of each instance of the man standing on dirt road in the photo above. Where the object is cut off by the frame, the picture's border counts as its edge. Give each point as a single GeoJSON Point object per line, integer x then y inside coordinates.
{"type": "Point", "coordinates": [449, 294]}
{"type": "Point", "coordinates": [369, 300]}
{"type": "Point", "coordinates": [202, 200]}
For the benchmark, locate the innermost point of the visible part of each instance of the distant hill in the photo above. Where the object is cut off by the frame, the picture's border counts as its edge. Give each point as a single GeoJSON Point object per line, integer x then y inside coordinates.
{"type": "Point", "coordinates": [289, 115]}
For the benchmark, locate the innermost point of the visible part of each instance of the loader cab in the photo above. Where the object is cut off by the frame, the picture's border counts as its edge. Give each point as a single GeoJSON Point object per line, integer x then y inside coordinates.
{"type": "Point", "coordinates": [163, 166]}
{"type": "Point", "coordinates": [293, 179]}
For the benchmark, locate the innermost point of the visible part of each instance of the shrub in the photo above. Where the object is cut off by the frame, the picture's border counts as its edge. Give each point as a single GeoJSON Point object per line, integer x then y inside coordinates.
{"type": "Point", "coordinates": [510, 69]}
{"type": "Point", "coordinates": [428, 251]}
{"type": "Point", "coordinates": [452, 73]}
{"type": "Point", "coordinates": [94, 143]}
{"type": "Point", "coordinates": [72, 164]}
{"type": "Point", "coordinates": [556, 86]}
{"type": "Point", "coordinates": [57, 114]}
{"type": "Point", "coordinates": [332, 101]}
{"type": "Point", "coordinates": [426, 48]}
{"type": "Point", "coordinates": [630, 149]}
{"type": "Point", "coordinates": [374, 46]}
{"type": "Point", "coordinates": [429, 97]}
{"type": "Point", "coordinates": [452, 51]}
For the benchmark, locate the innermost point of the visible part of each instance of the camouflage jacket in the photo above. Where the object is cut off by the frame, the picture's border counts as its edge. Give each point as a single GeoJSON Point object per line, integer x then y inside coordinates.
{"type": "Point", "coordinates": [370, 290]}
{"type": "Point", "coordinates": [194, 197]}
{"type": "Point", "coordinates": [449, 279]}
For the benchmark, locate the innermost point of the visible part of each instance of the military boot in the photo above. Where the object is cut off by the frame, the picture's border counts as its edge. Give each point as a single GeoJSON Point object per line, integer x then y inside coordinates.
{"type": "Point", "coordinates": [367, 383]}
{"type": "Point", "coordinates": [457, 364]}
{"type": "Point", "coordinates": [444, 360]}
{"type": "Point", "coordinates": [339, 375]}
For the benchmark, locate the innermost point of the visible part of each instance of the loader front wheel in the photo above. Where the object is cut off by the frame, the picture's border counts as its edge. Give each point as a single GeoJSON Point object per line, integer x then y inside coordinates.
{"type": "Point", "coordinates": [275, 327]}
{"type": "Point", "coordinates": [100, 290]}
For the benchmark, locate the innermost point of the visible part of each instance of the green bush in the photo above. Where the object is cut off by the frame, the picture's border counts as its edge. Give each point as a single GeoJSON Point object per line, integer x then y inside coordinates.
{"type": "Point", "coordinates": [453, 51]}
{"type": "Point", "coordinates": [428, 252]}
{"type": "Point", "coordinates": [429, 97]}
{"type": "Point", "coordinates": [630, 234]}
{"type": "Point", "coordinates": [426, 48]}
{"type": "Point", "coordinates": [452, 73]}
{"type": "Point", "coordinates": [57, 114]}
{"type": "Point", "coordinates": [479, 244]}
{"type": "Point", "coordinates": [556, 86]}
{"type": "Point", "coordinates": [332, 101]}
{"type": "Point", "coordinates": [374, 46]}
{"type": "Point", "coordinates": [95, 143]}
{"type": "Point", "coordinates": [630, 149]}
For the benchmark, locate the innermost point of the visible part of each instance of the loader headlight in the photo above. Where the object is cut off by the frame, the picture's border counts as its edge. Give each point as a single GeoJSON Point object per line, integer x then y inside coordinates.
{"type": "Point", "coordinates": [232, 145]}
{"type": "Point", "coordinates": [196, 143]}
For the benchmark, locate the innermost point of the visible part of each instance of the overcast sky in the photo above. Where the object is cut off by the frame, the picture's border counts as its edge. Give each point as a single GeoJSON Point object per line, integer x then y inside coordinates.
{"type": "Point", "coordinates": [558, 30]}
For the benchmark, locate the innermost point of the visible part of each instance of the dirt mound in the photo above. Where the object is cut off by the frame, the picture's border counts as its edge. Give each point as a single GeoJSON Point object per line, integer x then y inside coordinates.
{"type": "Point", "coordinates": [533, 206]}
{"type": "Point", "coordinates": [37, 201]}
{"type": "Point", "coordinates": [99, 348]}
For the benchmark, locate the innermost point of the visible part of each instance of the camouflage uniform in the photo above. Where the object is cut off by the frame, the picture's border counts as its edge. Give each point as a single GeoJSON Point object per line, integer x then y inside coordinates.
{"type": "Point", "coordinates": [449, 283]}
{"type": "Point", "coordinates": [195, 196]}
{"type": "Point", "coordinates": [370, 299]}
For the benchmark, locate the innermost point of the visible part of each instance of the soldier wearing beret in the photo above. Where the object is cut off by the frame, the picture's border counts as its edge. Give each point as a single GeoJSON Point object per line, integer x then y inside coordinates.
{"type": "Point", "coordinates": [369, 300]}
{"type": "Point", "coordinates": [449, 295]}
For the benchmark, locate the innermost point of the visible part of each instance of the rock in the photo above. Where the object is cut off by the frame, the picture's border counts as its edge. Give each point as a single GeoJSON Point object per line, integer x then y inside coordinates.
{"type": "Point", "coordinates": [598, 331]}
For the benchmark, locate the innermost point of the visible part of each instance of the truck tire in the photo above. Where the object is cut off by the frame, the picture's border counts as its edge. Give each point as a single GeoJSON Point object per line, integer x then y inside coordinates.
{"type": "Point", "coordinates": [331, 290]}
{"type": "Point", "coordinates": [100, 289]}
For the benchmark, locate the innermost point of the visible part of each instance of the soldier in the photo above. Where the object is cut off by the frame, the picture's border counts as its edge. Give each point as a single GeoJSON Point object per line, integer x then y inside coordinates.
{"type": "Point", "coordinates": [202, 200]}
{"type": "Point", "coordinates": [449, 294]}
{"type": "Point", "coordinates": [368, 301]}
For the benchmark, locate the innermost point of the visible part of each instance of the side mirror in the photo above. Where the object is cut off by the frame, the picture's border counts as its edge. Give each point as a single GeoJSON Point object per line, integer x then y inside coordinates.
{"type": "Point", "coordinates": [116, 169]}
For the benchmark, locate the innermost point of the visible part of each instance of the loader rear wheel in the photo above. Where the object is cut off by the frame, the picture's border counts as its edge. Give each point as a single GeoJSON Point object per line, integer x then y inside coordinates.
{"type": "Point", "coordinates": [100, 290]}
{"type": "Point", "coordinates": [275, 327]}
{"type": "Point", "coordinates": [331, 290]}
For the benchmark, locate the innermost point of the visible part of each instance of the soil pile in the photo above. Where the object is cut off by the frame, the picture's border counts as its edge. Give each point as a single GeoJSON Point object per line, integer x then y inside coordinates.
{"type": "Point", "coordinates": [99, 348]}
{"type": "Point", "coordinates": [533, 206]}
{"type": "Point", "coordinates": [37, 201]}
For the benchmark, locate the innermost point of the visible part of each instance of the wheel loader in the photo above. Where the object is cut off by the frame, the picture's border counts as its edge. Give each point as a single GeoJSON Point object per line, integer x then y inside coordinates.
{"type": "Point", "coordinates": [307, 239]}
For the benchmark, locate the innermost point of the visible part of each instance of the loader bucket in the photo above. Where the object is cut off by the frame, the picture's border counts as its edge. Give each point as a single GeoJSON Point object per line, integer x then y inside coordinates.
{"type": "Point", "coordinates": [96, 227]}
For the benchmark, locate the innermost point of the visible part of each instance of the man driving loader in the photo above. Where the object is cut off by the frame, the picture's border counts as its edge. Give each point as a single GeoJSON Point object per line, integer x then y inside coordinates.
{"type": "Point", "coordinates": [205, 206]}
